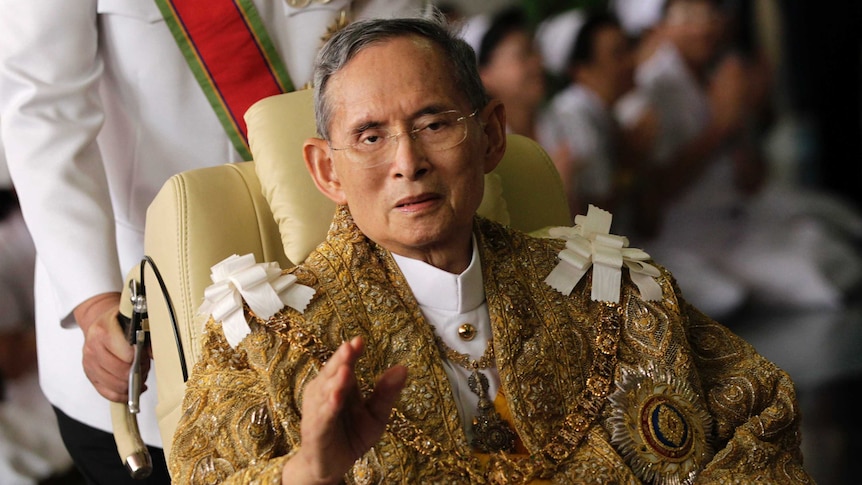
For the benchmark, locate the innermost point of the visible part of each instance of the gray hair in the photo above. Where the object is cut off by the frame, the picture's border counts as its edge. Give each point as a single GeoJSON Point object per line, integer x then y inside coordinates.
{"type": "Point", "coordinates": [348, 42]}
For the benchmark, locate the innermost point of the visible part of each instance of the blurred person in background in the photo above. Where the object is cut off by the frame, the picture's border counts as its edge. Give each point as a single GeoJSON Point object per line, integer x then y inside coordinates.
{"type": "Point", "coordinates": [602, 165]}
{"type": "Point", "coordinates": [510, 65]}
{"type": "Point", "coordinates": [730, 235]}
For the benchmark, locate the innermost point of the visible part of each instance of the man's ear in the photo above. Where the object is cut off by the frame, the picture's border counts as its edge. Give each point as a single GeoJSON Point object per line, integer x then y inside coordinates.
{"type": "Point", "coordinates": [493, 117]}
{"type": "Point", "coordinates": [319, 162]}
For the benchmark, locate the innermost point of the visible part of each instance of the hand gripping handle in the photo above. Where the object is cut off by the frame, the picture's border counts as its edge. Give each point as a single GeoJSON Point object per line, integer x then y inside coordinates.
{"type": "Point", "coordinates": [130, 446]}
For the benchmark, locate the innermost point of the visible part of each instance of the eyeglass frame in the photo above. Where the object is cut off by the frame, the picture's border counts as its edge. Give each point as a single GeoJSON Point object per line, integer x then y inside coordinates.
{"type": "Point", "coordinates": [412, 134]}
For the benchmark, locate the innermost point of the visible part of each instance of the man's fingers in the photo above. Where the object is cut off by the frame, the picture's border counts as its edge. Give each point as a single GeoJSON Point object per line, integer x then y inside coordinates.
{"type": "Point", "coordinates": [386, 392]}
{"type": "Point", "coordinates": [336, 383]}
{"type": "Point", "coordinates": [108, 384]}
{"type": "Point", "coordinates": [117, 343]}
{"type": "Point", "coordinates": [105, 336]}
{"type": "Point", "coordinates": [346, 354]}
{"type": "Point", "coordinates": [107, 357]}
{"type": "Point", "coordinates": [335, 379]}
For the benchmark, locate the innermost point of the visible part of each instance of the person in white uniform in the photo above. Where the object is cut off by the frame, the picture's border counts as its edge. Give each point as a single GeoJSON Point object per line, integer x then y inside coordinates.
{"type": "Point", "coordinates": [99, 109]}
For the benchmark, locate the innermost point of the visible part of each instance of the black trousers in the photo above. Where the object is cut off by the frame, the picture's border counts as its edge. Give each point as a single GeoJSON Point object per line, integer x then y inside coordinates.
{"type": "Point", "coordinates": [95, 455]}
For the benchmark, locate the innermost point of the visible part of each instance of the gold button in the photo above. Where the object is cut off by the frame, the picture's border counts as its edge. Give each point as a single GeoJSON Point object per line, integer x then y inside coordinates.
{"type": "Point", "coordinates": [466, 331]}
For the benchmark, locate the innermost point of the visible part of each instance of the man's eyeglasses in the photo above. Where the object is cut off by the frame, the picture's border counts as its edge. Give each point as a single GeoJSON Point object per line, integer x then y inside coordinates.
{"type": "Point", "coordinates": [433, 132]}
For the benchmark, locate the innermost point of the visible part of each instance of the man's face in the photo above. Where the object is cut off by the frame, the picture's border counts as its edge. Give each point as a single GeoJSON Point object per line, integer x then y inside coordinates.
{"type": "Point", "coordinates": [695, 27]}
{"type": "Point", "coordinates": [414, 202]}
{"type": "Point", "coordinates": [613, 62]}
{"type": "Point", "coordinates": [514, 70]}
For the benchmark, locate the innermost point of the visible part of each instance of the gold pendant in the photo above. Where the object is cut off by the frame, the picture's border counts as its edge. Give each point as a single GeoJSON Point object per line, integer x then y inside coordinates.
{"type": "Point", "coordinates": [492, 433]}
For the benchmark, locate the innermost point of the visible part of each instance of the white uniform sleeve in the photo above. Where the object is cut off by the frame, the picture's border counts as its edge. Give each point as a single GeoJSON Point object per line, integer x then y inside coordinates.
{"type": "Point", "coordinates": [49, 74]}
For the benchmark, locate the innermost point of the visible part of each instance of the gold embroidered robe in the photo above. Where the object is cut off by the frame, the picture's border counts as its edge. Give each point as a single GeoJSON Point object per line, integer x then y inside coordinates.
{"type": "Point", "coordinates": [569, 369]}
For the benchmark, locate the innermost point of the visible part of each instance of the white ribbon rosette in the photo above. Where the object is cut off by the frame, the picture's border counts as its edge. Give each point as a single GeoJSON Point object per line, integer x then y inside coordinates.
{"type": "Point", "coordinates": [262, 286]}
{"type": "Point", "coordinates": [589, 243]}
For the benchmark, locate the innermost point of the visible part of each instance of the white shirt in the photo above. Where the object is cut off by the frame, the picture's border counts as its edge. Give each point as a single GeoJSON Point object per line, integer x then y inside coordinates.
{"type": "Point", "coordinates": [575, 118]}
{"type": "Point", "coordinates": [447, 301]}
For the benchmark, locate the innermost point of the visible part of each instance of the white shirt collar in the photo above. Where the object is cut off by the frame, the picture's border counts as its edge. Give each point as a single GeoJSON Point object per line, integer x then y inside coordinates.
{"type": "Point", "coordinates": [441, 290]}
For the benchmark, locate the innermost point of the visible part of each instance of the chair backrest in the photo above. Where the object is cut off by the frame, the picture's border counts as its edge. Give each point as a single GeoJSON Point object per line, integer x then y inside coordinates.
{"type": "Point", "coordinates": [271, 208]}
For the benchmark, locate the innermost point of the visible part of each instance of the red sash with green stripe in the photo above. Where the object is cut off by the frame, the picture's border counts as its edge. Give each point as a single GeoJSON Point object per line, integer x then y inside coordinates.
{"type": "Point", "coordinates": [230, 54]}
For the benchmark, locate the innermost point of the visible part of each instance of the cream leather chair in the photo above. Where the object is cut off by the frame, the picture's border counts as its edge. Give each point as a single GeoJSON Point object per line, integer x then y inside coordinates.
{"type": "Point", "coordinates": [271, 208]}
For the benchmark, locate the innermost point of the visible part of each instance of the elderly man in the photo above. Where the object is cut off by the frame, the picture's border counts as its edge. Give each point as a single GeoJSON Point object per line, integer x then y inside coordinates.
{"type": "Point", "coordinates": [425, 344]}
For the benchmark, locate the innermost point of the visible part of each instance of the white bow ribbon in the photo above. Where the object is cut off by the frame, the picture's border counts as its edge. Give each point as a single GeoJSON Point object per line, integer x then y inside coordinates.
{"type": "Point", "coordinates": [262, 286]}
{"type": "Point", "coordinates": [589, 243]}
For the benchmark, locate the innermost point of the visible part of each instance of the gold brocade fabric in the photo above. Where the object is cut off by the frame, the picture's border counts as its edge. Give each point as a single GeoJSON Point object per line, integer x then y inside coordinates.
{"type": "Point", "coordinates": [584, 381]}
